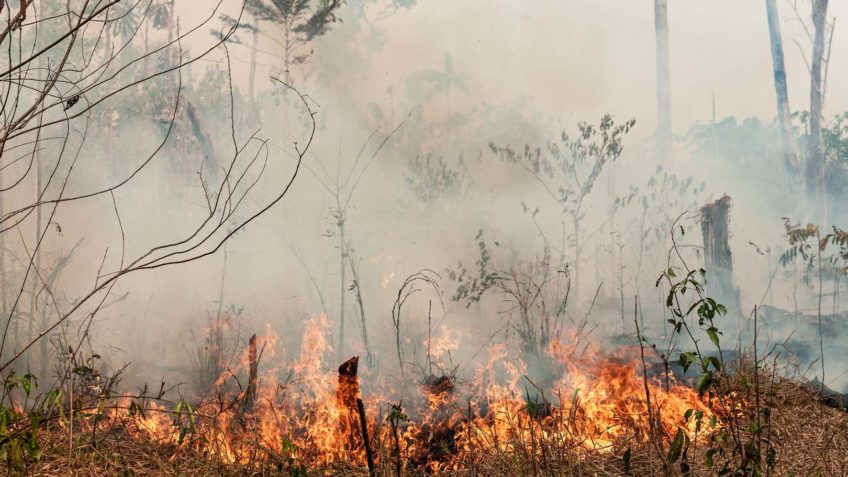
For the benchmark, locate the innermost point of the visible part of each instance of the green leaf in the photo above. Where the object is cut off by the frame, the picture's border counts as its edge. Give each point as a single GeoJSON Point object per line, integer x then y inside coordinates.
{"type": "Point", "coordinates": [15, 455]}
{"type": "Point", "coordinates": [709, 458]}
{"type": "Point", "coordinates": [686, 360]}
{"type": "Point", "coordinates": [712, 331]}
{"type": "Point", "coordinates": [692, 307]}
{"type": "Point", "coordinates": [26, 384]}
{"type": "Point", "coordinates": [712, 360]}
{"type": "Point", "coordinates": [676, 447]}
{"type": "Point", "coordinates": [703, 382]}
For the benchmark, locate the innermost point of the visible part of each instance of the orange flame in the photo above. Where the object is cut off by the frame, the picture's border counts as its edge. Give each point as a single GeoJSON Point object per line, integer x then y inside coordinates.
{"type": "Point", "coordinates": [307, 412]}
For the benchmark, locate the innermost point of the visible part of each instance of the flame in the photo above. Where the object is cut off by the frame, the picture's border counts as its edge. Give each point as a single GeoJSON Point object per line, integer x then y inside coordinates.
{"type": "Point", "coordinates": [307, 412]}
{"type": "Point", "coordinates": [387, 278]}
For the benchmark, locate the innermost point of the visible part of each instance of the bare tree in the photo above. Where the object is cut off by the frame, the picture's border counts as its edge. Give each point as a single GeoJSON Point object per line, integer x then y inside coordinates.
{"type": "Point", "coordinates": [341, 188]}
{"type": "Point", "coordinates": [664, 137]}
{"type": "Point", "coordinates": [790, 152]}
{"type": "Point", "coordinates": [47, 125]}
{"type": "Point", "coordinates": [815, 146]}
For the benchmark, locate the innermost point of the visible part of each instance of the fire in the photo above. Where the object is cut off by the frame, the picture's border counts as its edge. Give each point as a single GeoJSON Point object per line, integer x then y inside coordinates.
{"type": "Point", "coordinates": [445, 342]}
{"type": "Point", "coordinates": [308, 412]}
{"type": "Point", "coordinates": [386, 279]}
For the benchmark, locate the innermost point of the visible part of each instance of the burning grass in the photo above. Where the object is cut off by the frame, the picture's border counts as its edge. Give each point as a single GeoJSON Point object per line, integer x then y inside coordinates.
{"type": "Point", "coordinates": [595, 405]}
{"type": "Point", "coordinates": [592, 418]}
{"type": "Point", "coordinates": [809, 439]}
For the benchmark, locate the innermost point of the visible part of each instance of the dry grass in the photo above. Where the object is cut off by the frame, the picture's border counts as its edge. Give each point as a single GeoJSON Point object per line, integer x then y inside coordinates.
{"type": "Point", "coordinates": [809, 438]}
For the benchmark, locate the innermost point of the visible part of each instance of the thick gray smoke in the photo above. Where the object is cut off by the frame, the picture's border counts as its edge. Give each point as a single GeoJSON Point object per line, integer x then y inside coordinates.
{"type": "Point", "coordinates": [409, 96]}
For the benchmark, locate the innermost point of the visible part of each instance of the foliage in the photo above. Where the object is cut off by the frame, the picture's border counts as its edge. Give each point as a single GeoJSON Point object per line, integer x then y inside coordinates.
{"type": "Point", "coordinates": [569, 168]}
{"type": "Point", "coordinates": [694, 315]}
{"type": "Point", "coordinates": [534, 294]}
{"type": "Point", "coordinates": [749, 144]}
{"type": "Point", "coordinates": [300, 21]}
{"type": "Point", "coordinates": [431, 177]}
{"type": "Point", "coordinates": [470, 287]}
{"type": "Point", "coordinates": [809, 244]}
{"type": "Point", "coordinates": [427, 83]}
{"type": "Point", "coordinates": [663, 197]}
{"type": "Point", "coordinates": [835, 136]}
{"type": "Point", "coordinates": [753, 147]}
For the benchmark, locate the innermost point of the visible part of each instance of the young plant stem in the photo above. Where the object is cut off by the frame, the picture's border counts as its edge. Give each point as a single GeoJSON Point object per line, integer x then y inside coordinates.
{"type": "Point", "coordinates": [654, 435]}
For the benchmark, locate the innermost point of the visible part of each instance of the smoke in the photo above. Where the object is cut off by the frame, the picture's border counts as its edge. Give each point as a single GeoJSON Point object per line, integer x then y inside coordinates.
{"type": "Point", "coordinates": [453, 77]}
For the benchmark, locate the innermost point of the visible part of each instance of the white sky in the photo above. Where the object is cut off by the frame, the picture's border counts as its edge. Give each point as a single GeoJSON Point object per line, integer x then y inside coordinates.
{"type": "Point", "coordinates": [585, 57]}
{"type": "Point", "coordinates": [580, 58]}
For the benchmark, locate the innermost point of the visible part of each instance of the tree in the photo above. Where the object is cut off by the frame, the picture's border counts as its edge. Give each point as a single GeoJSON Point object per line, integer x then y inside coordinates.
{"type": "Point", "coordinates": [664, 137]}
{"type": "Point", "coordinates": [299, 21]}
{"type": "Point", "coordinates": [815, 147]}
{"type": "Point", "coordinates": [342, 188]}
{"type": "Point", "coordinates": [568, 169]}
{"type": "Point", "coordinates": [441, 81]}
{"type": "Point", "coordinates": [48, 126]}
{"type": "Point", "coordinates": [790, 153]}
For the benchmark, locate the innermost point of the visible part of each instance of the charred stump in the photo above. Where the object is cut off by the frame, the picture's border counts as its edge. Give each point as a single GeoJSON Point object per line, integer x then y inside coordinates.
{"type": "Point", "coordinates": [718, 261]}
{"type": "Point", "coordinates": [352, 421]}
{"type": "Point", "coordinates": [348, 389]}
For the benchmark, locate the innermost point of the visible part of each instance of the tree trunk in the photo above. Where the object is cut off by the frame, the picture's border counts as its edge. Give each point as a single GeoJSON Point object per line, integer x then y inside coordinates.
{"type": "Point", "coordinates": [815, 147]}
{"type": "Point", "coordinates": [42, 346]}
{"type": "Point", "coordinates": [357, 288]}
{"type": "Point", "coordinates": [342, 287]}
{"type": "Point", "coordinates": [664, 145]}
{"type": "Point", "coordinates": [718, 261]}
{"type": "Point", "coordinates": [790, 152]}
{"type": "Point", "coordinates": [254, 47]}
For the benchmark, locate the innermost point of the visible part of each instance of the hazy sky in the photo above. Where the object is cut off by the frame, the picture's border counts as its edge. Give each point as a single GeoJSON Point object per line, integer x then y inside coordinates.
{"type": "Point", "coordinates": [583, 57]}
{"type": "Point", "coordinates": [579, 58]}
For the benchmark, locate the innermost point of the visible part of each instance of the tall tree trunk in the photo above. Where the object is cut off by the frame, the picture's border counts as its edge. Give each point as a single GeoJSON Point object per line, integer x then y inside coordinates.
{"type": "Point", "coordinates": [815, 147]}
{"type": "Point", "coordinates": [664, 146]}
{"type": "Point", "coordinates": [343, 282]}
{"type": "Point", "coordinates": [254, 47]}
{"type": "Point", "coordinates": [790, 152]}
{"type": "Point", "coordinates": [42, 346]}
